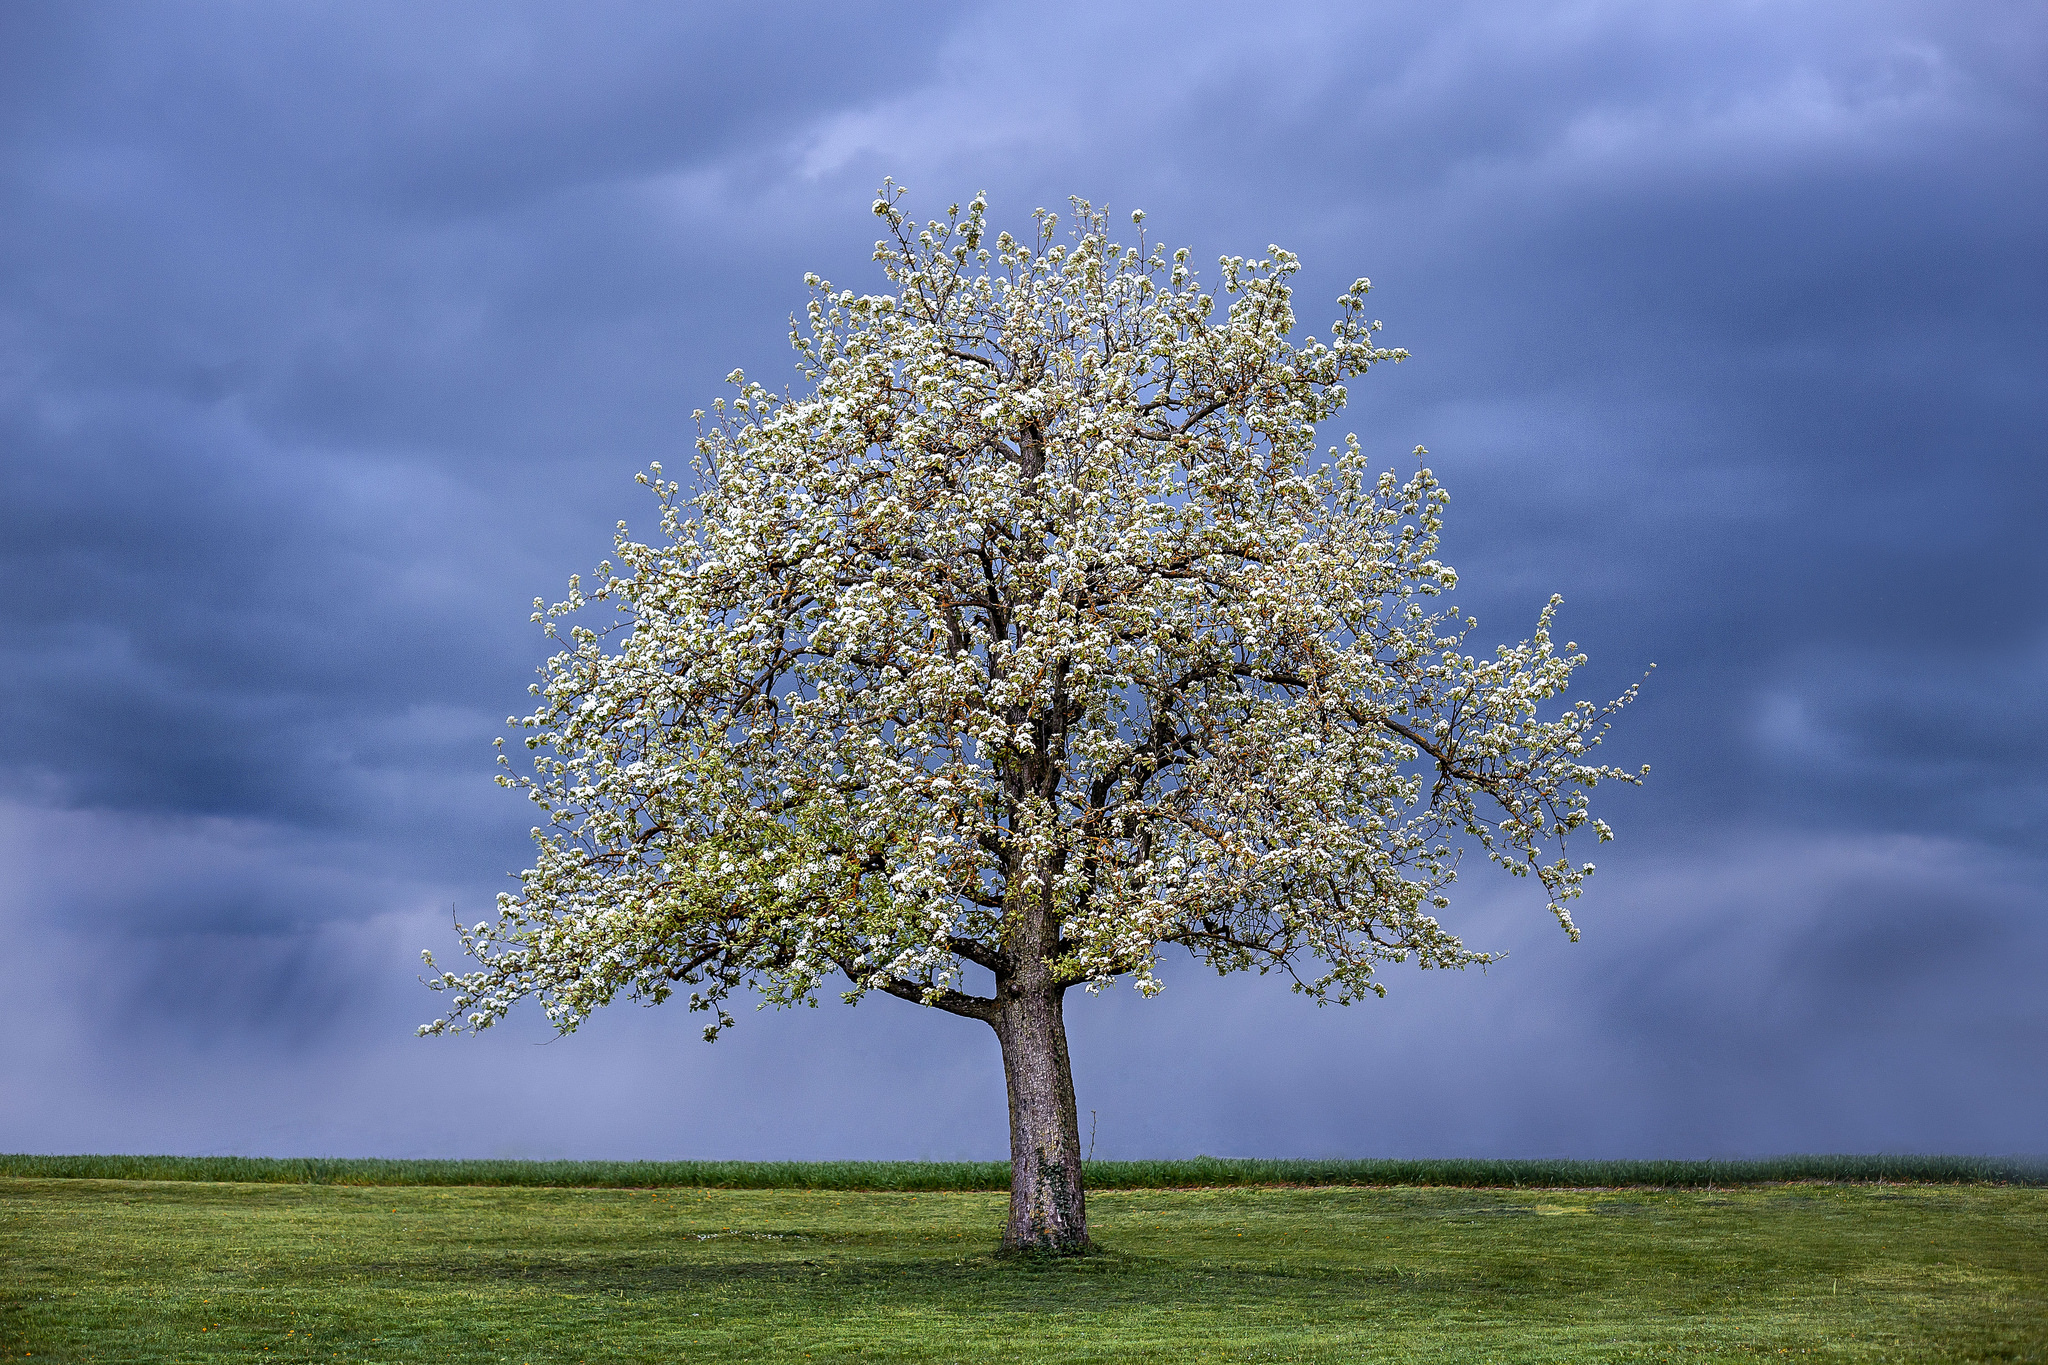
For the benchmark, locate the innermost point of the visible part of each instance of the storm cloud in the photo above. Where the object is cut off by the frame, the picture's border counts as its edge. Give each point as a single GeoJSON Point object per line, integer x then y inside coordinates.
{"type": "Point", "coordinates": [332, 335]}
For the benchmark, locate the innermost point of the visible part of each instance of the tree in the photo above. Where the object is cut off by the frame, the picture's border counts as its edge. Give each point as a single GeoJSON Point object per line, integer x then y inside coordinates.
{"type": "Point", "coordinates": [1035, 634]}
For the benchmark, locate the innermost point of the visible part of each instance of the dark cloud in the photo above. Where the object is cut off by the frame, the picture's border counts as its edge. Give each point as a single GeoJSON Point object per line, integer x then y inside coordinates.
{"type": "Point", "coordinates": [330, 336]}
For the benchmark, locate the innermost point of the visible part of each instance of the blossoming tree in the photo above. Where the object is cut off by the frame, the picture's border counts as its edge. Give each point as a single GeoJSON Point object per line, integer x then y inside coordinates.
{"type": "Point", "coordinates": [1036, 633]}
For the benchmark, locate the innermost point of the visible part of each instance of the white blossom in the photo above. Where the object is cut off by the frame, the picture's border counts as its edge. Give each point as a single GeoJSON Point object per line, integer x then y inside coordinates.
{"type": "Point", "coordinates": [1042, 590]}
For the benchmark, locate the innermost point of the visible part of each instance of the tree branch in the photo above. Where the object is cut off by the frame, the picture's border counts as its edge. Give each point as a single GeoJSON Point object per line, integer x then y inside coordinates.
{"type": "Point", "coordinates": [951, 1001]}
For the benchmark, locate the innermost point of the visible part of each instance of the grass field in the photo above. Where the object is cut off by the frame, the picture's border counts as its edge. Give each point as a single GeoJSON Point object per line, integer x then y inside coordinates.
{"type": "Point", "coordinates": [100, 1270]}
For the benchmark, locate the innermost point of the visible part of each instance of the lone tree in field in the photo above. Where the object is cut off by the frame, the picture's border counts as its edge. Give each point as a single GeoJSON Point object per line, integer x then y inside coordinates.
{"type": "Point", "coordinates": [1037, 633]}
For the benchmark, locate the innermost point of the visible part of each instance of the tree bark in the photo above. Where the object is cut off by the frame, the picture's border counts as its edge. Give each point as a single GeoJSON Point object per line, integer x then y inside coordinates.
{"type": "Point", "coordinates": [1048, 1209]}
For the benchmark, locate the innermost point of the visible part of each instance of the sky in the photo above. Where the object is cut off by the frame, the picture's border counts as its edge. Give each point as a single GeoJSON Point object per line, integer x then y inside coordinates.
{"type": "Point", "coordinates": [332, 334]}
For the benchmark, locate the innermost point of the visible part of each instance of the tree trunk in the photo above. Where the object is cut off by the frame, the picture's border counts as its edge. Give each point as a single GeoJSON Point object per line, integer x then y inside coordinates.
{"type": "Point", "coordinates": [1048, 1211]}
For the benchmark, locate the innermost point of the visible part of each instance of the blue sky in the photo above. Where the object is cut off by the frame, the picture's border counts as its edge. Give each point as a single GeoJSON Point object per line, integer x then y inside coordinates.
{"type": "Point", "coordinates": [333, 334]}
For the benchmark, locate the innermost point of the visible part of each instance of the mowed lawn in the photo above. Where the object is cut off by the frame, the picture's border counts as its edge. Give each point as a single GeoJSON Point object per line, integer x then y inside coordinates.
{"type": "Point", "coordinates": [142, 1271]}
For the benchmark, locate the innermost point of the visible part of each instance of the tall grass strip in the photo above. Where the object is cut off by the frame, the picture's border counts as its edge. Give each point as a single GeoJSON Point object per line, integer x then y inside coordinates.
{"type": "Point", "coordinates": [1200, 1172]}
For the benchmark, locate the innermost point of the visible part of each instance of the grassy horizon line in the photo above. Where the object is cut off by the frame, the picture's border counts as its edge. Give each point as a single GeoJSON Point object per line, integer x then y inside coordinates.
{"type": "Point", "coordinates": [1193, 1173]}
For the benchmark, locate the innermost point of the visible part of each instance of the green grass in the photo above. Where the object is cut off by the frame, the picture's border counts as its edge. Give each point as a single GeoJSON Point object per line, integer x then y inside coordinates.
{"type": "Point", "coordinates": [1202, 1172]}
{"type": "Point", "coordinates": [191, 1272]}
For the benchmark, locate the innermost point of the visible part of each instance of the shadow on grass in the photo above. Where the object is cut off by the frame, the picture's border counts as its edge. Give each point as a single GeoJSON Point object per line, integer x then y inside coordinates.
{"type": "Point", "coordinates": [1104, 1280]}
